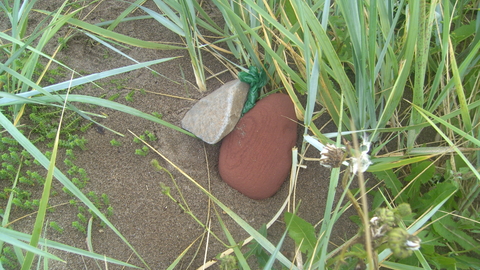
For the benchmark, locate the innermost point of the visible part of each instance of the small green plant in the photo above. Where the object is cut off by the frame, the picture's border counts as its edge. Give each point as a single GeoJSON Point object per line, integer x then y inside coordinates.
{"type": "Point", "coordinates": [143, 151]}
{"type": "Point", "coordinates": [106, 200]}
{"type": "Point", "coordinates": [80, 227]}
{"type": "Point", "coordinates": [228, 262]}
{"type": "Point", "coordinates": [69, 153]}
{"type": "Point", "coordinates": [114, 96]}
{"type": "Point", "coordinates": [9, 259]}
{"type": "Point", "coordinates": [129, 96]}
{"type": "Point", "coordinates": [109, 211]}
{"type": "Point", "coordinates": [26, 180]}
{"type": "Point", "coordinates": [82, 218]}
{"type": "Point", "coordinates": [56, 227]}
{"type": "Point", "coordinates": [106, 55]}
{"type": "Point", "coordinates": [114, 142]}
{"type": "Point", "coordinates": [146, 135]}
{"type": "Point", "coordinates": [72, 202]}
{"type": "Point", "coordinates": [158, 115]}
{"type": "Point", "coordinates": [137, 140]}
{"type": "Point", "coordinates": [94, 198]}
{"type": "Point", "coordinates": [151, 136]}
{"type": "Point", "coordinates": [118, 84]}
{"type": "Point", "coordinates": [85, 127]}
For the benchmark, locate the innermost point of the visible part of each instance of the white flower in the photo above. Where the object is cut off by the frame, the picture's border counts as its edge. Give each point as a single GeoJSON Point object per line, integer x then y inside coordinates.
{"type": "Point", "coordinates": [361, 163]}
{"type": "Point", "coordinates": [374, 221]}
{"type": "Point", "coordinates": [413, 242]}
{"type": "Point", "coordinates": [333, 156]}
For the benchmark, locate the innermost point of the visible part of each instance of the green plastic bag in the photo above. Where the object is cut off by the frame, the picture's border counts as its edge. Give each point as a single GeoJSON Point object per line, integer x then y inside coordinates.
{"type": "Point", "coordinates": [256, 80]}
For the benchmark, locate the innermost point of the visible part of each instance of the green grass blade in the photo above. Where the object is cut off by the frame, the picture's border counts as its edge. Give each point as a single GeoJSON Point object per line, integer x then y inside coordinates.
{"type": "Point", "coordinates": [77, 81]}
{"type": "Point", "coordinates": [420, 65]}
{"type": "Point", "coordinates": [353, 15]}
{"type": "Point", "coordinates": [265, 243]}
{"type": "Point", "coordinates": [312, 85]}
{"type": "Point", "coordinates": [336, 69]}
{"type": "Point", "coordinates": [96, 101]}
{"type": "Point", "coordinates": [57, 21]}
{"type": "Point", "coordinates": [441, 120]}
{"type": "Point", "coordinates": [28, 82]}
{"type": "Point", "coordinates": [467, 65]}
{"type": "Point", "coordinates": [188, 16]}
{"type": "Point", "coordinates": [383, 164]}
{"type": "Point", "coordinates": [42, 208]}
{"type": "Point", "coordinates": [327, 223]}
{"type": "Point", "coordinates": [208, 24]}
{"type": "Point", "coordinates": [235, 246]}
{"type": "Point", "coordinates": [399, 266]}
{"type": "Point", "coordinates": [123, 108]}
{"type": "Point", "coordinates": [236, 29]}
{"type": "Point", "coordinates": [406, 59]}
{"type": "Point", "coordinates": [459, 90]}
{"type": "Point", "coordinates": [26, 46]}
{"type": "Point", "coordinates": [106, 44]}
{"type": "Point", "coordinates": [7, 237]}
{"type": "Point", "coordinates": [272, 258]}
{"type": "Point", "coordinates": [25, 143]}
{"type": "Point", "coordinates": [449, 141]}
{"type": "Point", "coordinates": [124, 14]}
{"type": "Point", "coordinates": [59, 246]}
{"type": "Point", "coordinates": [121, 38]}
{"type": "Point", "coordinates": [174, 24]}
{"type": "Point", "coordinates": [324, 236]}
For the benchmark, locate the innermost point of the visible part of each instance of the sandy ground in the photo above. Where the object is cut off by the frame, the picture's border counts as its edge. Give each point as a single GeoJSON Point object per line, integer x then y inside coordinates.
{"type": "Point", "coordinates": [154, 224]}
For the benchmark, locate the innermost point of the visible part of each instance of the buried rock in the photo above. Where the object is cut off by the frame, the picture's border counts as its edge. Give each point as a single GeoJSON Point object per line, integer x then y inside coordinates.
{"type": "Point", "coordinates": [255, 158]}
{"type": "Point", "coordinates": [215, 115]}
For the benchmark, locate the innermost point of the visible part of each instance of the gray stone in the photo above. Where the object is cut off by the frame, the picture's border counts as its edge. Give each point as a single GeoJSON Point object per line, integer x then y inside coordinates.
{"type": "Point", "coordinates": [214, 116]}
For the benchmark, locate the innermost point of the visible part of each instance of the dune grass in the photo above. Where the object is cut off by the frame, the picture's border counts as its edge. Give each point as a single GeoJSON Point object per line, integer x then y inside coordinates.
{"type": "Point", "coordinates": [21, 55]}
{"type": "Point", "coordinates": [384, 71]}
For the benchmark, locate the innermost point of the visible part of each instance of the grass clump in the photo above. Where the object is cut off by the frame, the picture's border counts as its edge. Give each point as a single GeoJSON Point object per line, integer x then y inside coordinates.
{"type": "Point", "coordinates": [37, 112]}
{"type": "Point", "coordinates": [384, 71]}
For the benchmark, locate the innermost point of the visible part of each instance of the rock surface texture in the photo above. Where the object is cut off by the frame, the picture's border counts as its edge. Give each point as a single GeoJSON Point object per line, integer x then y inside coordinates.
{"type": "Point", "coordinates": [255, 158]}
{"type": "Point", "coordinates": [215, 116]}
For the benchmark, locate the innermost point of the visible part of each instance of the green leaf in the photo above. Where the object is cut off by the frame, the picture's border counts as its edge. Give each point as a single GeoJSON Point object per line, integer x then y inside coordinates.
{"type": "Point", "coordinates": [301, 232]}
{"type": "Point", "coordinates": [235, 246]}
{"type": "Point", "coordinates": [257, 250]}
{"type": "Point", "coordinates": [399, 266]}
{"type": "Point", "coordinates": [465, 262]}
{"type": "Point", "coordinates": [391, 181]}
{"type": "Point", "coordinates": [383, 164]}
{"type": "Point", "coordinates": [420, 174]}
{"type": "Point", "coordinates": [447, 228]}
{"type": "Point", "coordinates": [442, 262]}
{"type": "Point", "coordinates": [463, 32]}
{"type": "Point", "coordinates": [435, 196]}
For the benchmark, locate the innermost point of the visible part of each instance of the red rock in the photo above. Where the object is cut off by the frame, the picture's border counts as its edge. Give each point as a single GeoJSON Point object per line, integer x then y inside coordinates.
{"type": "Point", "coordinates": [255, 158]}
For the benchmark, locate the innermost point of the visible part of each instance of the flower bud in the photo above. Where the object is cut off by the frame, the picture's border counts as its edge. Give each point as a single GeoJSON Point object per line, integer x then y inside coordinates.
{"type": "Point", "coordinates": [403, 209]}
{"type": "Point", "coordinates": [386, 216]}
{"type": "Point", "coordinates": [402, 243]}
{"type": "Point", "coordinates": [413, 242]}
{"type": "Point", "coordinates": [332, 156]}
